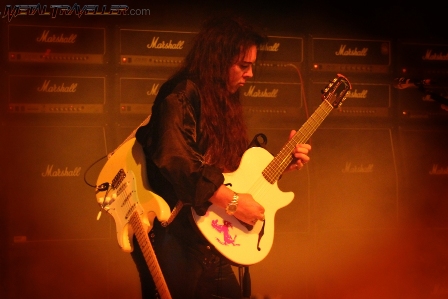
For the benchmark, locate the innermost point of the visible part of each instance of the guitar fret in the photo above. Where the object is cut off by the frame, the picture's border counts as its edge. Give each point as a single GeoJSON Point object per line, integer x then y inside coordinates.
{"type": "Point", "coordinates": [149, 254]}
{"type": "Point", "coordinates": [280, 162]}
{"type": "Point", "coordinates": [317, 113]}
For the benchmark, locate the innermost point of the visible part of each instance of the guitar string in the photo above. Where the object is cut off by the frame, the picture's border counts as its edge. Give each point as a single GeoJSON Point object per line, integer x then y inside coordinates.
{"type": "Point", "coordinates": [140, 232]}
{"type": "Point", "coordinates": [149, 254]}
{"type": "Point", "coordinates": [275, 168]}
{"type": "Point", "coordinates": [260, 186]}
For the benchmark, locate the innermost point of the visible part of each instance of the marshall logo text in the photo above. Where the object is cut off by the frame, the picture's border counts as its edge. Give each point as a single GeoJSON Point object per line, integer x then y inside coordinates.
{"type": "Point", "coordinates": [61, 39]}
{"type": "Point", "coordinates": [357, 94]}
{"type": "Point", "coordinates": [270, 48]}
{"type": "Point", "coordinates": [438, 170]}
{"type": "Point", "coordinates": [155, 44]}
{"type": "Point", "coordinates": [50, 172]}
{"type": "Point", "coordinates": [430, 55]}
{"type": "Point", "coordinates": [154, 90]}
{"type": "Point", "coordinates": [351, 52]}
{"type": "Point", "coordinates": [261, 93]}
{"type": "Point", "coordinates": [46, 87]}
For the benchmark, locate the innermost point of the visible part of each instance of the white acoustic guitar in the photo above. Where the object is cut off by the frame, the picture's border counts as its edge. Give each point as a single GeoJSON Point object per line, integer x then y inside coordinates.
{"type": "Point", "coordinates": [124, 193]}
{"type": "Point", "coordinates": [257, 175]}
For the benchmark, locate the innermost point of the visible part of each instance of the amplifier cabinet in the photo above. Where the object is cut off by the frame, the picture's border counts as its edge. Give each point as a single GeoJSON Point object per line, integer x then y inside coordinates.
{"type": "Point", "coordinates": [156, 48]}
{"type": "Point", "coordinates": [415, 104]}
{"type": "Point", "coordinates": [421, 60]}
{"type": "Point", "coordinates": [280, 51]}
{"type": "Point", "coordinates": [68, 94]}
{"type": "Point", "coordinates": [355, 183]}
{"type": "Point", "coordinates": [367, 99]}
{"type": "Point", "coordinates": [51, 44]}
{"type": "Point", "coordinates": [47, 197]}
{"type": "Point", "coordinates": [350, 55]}
{"type": "Point", "coordinates": [272, 104]}
{"type": "Point", "coordinates": [424, 196]}
{"type": "Point", "coordinates": [137, 94]}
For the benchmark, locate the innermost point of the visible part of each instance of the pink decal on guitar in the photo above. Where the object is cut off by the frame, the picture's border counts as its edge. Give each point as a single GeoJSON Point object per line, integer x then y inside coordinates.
{"type": "Point", "coordinates": [224, 228]}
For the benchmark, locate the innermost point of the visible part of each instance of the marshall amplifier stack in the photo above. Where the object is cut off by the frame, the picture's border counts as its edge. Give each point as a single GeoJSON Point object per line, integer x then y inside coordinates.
{"type": "Point", "coordinates": [422, 80]}
{"type": "Point", "coordinates": [146, 58]}
{"type": "Point", "coordinates": [149, 57]}
{"type": "Point", "coordinates": [422, 88]}
{"type": "Point", "coordinates": [364, 181]}
{"type": "Point", "coordinates": [56, 70]}
{"type": "Point", "coordinates": [368, 66]}
{"type": "Point", "coordinates": [273, 98]}
{"type": "Point", "coordinates": [55, 102]}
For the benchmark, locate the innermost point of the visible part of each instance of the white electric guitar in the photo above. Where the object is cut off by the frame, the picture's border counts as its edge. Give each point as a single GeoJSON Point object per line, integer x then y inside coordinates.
{"type": "Point", "coordinates": [257, 175]}
{"type": "Point", "coordinates": [123, 192]}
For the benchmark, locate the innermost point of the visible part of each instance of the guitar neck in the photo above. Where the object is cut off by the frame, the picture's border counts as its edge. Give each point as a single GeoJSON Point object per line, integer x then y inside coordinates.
{"type": "Point", "coordinates": [149, 255]}
{"type": "Point", "coordinates": [274, 170]}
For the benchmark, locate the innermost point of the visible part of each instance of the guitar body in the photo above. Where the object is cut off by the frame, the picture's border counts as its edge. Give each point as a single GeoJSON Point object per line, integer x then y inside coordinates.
{"type": "Point", "coordinates": [123, 191]}
{"type": "Point", "coordinates": [257, 175]}
{"type": "Point", "coordinates": [231, 238]}
{"type": "Point", "coordinates": [135, 193]}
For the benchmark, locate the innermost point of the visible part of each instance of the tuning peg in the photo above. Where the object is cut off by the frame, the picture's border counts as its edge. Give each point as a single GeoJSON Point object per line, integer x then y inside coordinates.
{"type": "Point", "coordinates": [100, 200]}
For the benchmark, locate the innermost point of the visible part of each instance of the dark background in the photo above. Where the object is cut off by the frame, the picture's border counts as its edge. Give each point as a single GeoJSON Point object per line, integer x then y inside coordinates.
{"type": "Point", "coordinates": [383, 235]}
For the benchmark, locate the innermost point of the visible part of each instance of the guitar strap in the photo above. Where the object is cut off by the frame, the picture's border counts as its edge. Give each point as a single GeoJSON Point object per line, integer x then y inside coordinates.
{"type": "Point", "coordinates": [174, 213]}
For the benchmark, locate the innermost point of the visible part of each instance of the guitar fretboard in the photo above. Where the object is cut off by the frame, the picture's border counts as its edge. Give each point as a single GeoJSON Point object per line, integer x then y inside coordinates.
{"type": "Point", "coordinates": [150, 256]}
{"type": "Point", "coordinates": [274, 170]}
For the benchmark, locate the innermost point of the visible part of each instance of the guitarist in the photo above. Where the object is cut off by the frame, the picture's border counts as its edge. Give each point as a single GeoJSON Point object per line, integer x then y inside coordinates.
{"type": "Point", "coordinates": [197, 132]}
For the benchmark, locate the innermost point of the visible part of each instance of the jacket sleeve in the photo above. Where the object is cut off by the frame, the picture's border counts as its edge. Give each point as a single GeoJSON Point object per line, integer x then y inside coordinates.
{"type": "Point", "coordinates": [174, 150]}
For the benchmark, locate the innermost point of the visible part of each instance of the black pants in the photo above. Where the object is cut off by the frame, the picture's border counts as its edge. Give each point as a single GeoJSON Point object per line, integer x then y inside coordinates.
{"type": "Point", "coordinates": [191, 270]}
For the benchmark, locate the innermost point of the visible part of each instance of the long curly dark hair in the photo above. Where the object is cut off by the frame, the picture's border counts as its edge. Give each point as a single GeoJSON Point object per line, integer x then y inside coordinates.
{"type": "Point", "coordinates": [219, 44]}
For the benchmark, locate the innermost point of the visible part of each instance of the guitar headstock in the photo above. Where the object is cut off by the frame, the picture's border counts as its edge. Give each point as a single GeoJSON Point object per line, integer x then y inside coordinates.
{"type": "Point", "coordinates": [336, 92]}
